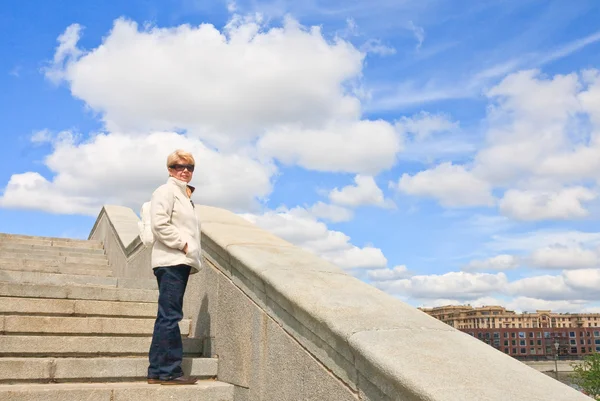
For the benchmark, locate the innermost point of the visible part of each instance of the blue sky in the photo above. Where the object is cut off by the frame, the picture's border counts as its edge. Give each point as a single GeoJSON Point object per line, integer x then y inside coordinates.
{"type": "Point", "coordinates": [444, 153]}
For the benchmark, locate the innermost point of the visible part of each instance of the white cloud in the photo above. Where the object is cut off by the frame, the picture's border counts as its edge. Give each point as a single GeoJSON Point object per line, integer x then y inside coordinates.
{"type": "Point", "coordinates": [528, 304]}
{"type": "Point", "coordinates": [590, 98]}
{"type": "Point", "coordinates": [545, 287]}
{"type": "Point", "coordinates": [34, 192]}
{"type": "Point", "coordinates": [359, 147]}
{"type": "Point", "coordinates": [255, 92]}
{"type": "Point", "coordinates": [561, 257]}
{"type": "Point", "coordinates": [333, 213]}
{"type": "Point", "coordinates": [529, 96]}
{"type": "Point", "coordinates": [496, 263]}
{"type": "Point", "coordinates": [396, 273]}
{"type": "Point", "coordinates": [452, 185]}
{"type": "Point", "coordinates": [543, 205]}
{"type": "Point", "coordinates": [424, 124]}
{"type": "Point", "coordinates": [528, 122]}
{"type": "Point", "coordinates": [531, 241]}
{"type": "Point", "coordinates": [583, 280]}
{"type": "Point", "coordinates": [517, 304]}
{"type": "Point", "coordinates": [66, 52]}
{"type": "Point", "coordinates": [240, 81]}
{"type": "Point", "coordinates": [231, 6]}
{"type": "Point", "coordinates": [375, 46]}
{"type": "Point", "coordinates": [476, 302]}
{"type": "Point", "coordinates": [299, 227]}
{"type": "Point", "coordinates": [367, 257]}
{"type": "Point", "coordinates": [419, 33]}
{"type": "Point", "coordinates": [540, 148]}
{"type": "Point", "coordinates": [452, 285]}
{"type": "Point", "coordinates": [365, 192]}
{"type": "Point", "coordinates": [430, 138]}
{"type": "Point", "coordinates": [95, 172]}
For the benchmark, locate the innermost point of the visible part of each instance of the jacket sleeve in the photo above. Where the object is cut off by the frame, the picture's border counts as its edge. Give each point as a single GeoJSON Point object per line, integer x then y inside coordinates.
{"type": "Point", "coordinates": [161, 208]}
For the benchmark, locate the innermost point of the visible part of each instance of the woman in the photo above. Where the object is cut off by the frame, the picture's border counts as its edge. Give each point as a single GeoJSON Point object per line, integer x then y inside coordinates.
{"type": "Point", "coordinates": [175, 255]}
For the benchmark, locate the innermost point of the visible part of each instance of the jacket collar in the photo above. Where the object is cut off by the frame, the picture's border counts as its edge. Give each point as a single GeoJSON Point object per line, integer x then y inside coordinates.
{"type": "Point", "coordinates": [181, 184]}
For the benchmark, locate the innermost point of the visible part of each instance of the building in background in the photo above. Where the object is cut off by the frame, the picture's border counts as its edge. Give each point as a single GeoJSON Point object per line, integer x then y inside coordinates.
{"type": "Point", "coordinates": [528, 335]}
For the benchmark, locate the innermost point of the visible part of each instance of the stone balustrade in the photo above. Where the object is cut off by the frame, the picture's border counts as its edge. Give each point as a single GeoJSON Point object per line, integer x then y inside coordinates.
{"type": "Point", "coordinates": [288, 325]}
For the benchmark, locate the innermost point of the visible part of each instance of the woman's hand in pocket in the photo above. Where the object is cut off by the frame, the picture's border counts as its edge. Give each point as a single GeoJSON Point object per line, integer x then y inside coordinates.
{"type": "Point", "coordinates": [185, 249]}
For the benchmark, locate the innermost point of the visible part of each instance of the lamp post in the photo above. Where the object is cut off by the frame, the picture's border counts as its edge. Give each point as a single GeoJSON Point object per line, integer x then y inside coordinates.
{"type": "Point", "coordinates": [556, 345]}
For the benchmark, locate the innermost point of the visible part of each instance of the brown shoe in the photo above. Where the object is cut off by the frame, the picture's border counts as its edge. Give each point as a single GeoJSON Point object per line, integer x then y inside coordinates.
{"type": "Point", "coordinates": [179, 381]}
{"type": "Point", "coordinates": [153, 381]}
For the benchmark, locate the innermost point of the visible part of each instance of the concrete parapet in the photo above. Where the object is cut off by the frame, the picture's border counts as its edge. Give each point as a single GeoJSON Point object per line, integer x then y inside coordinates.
{"type": "Point", "coordinates": [117, 228]}
{"type": "Point", "coordinates": [288, 325]}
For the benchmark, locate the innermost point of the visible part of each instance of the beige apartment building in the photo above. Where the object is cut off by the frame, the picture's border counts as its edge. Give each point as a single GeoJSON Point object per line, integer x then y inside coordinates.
{"type": "Point", "coordinates": [496, 317]}
{"type": "Point", "coordinates": [535, 335]}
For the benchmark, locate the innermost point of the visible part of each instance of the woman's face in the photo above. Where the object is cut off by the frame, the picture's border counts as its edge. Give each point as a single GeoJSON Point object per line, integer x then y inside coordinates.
{"type": "Point", "coordinates": [182, 170]}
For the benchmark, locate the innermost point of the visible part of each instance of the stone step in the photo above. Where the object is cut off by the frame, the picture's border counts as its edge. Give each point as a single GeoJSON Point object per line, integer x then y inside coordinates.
{"type": "Point", "coordinates": [77, 307]}
{"type": "Point", "coordinates": [25, 290]}
{"type": "Point", "coordinates": [204, 390]}
{"type": "Point", "coordinates": [49, 241]}
{"type": "Point", "coordinates": [47, 259]}
{"type": "Point", "coordinates": [13, 370]}
{"type": "Point", "coordinates": [70, 279]}
{"type": "Point", "coordinates": [50, 253]}
{"type": "Point", "coordinates": [53, 325]}
{"type": "Point", "coordinates": [66, 268]}
{"type": "Point", "coordinates": [19, 276]}
{"type": "Point", "coordinates": [48, 346]}
{"type": "Point", "coordinates": [4, 246]}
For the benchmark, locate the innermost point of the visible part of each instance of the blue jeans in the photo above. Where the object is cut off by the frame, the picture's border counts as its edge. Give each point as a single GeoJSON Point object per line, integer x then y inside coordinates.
{"type": "Point", "coordinates": [166, 350]}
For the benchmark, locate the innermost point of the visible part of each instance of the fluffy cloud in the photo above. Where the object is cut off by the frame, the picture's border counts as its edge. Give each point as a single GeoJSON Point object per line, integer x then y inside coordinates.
{"type": "Point", "coordinates": [496, 263]}
{"type": "Point", "coordinates": [91, 173]}
{"type": "Point", "coordinates": [33, 191]}
{"type": "Point", "coordinates": [527, 304]}
{"type": "Point", "coordinates": [560, 257]}
{"type": "Point", "coordinates": [452, 285]}
{"type": "Point", "coordinates": [285, 86]}
{"type": "Point", "coordinates": [453, 185]}
{"type": "Point", "coordinates": [542, 143]}
{"type": "Point", "coordinates": [431, 138]}
{"type": "Point", "coordinates": [583, 280]}
{"type": "Point", "coordinates": [356, 147]}
{"type": "Point", "coordinates": [517, 304]}
{"type": "Point", "coordinates": [256, 93]}
{"type": "Point", "coordinates": [299, 227]}
{"type": "Point", "coordinates": [198, 76]}
{"type": "Point", "coordinates": [374, 46]}
{"type": "Point", "coordinates": [531, 241]}
{"type": "Point", "coordinates": [546, 287]}
{"type": "Point", "coordinates": [574, 285]}
{"type": "Point", "coordinates": [425, 124]}
{"type": "Point", "coordinates": [541, 205]}
{"type": "Point", "coordinates": [533, 119]}
{"type": "Point", "coordinates": [396, 273]}
{"type": "Point", "coordinates": [365, 192]}
{"type": "Point", "coordinates": [333, 213]}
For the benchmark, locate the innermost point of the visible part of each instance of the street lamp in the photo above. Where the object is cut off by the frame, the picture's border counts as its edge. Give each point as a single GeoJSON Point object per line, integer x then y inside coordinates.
{"type": "Point", "coordinates": [556, 345]}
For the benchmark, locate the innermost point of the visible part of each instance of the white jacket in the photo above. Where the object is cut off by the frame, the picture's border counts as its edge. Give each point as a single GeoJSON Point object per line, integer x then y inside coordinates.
{"type": "Point", "coordinates": [174, 224]}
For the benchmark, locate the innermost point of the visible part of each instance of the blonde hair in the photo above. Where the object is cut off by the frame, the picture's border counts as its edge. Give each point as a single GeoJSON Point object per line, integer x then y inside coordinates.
{"type": "Point", "coordinates": [182, 155]}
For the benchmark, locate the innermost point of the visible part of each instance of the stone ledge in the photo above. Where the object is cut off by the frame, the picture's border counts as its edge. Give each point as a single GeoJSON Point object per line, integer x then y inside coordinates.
{"type": "Point", "coordinates": [124, 222]}
{"type": "Point", "coordinates": [356, 330]}
{"type": "Point", "coordinates": [380, 347]}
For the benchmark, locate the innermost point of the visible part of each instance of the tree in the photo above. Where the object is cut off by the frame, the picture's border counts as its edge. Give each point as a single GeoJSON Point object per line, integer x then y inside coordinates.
{"type": "Point", "coordinates": [587, 375]}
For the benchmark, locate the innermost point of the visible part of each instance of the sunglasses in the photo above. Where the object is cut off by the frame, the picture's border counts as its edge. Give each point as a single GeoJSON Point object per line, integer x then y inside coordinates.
{"type": "Point", "coordinates": [181, 167]}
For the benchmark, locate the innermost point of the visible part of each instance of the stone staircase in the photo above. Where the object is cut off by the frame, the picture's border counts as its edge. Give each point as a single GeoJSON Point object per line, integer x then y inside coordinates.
{"type": "Point", "coordinates": [69, 330]}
